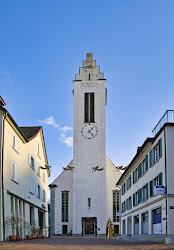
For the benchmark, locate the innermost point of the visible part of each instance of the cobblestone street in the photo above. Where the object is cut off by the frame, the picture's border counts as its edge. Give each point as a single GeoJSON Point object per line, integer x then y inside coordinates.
{"type": "Point", "coordinates": [58, 242]}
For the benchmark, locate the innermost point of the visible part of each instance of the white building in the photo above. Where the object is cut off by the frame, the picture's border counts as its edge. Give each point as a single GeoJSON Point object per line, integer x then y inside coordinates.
{"type": "Point", "coordinates": [83, 197]}
{"type": "Point", "coordinates": [23, 178]}
{"type": "Point", "coordinates": [147, 187]}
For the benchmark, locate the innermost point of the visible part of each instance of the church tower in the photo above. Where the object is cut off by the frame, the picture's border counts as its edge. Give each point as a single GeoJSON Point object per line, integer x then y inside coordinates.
{"type": "Point", "coordinates": [89, 156]}
{"type": "Point", "coordinates": [83, 196]}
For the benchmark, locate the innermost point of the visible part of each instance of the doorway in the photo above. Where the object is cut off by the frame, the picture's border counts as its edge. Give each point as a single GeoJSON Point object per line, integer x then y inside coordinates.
{"type": "Point", "coordinates": [64, 229]}
{"type": "Point", "coordinates": [89, 226]}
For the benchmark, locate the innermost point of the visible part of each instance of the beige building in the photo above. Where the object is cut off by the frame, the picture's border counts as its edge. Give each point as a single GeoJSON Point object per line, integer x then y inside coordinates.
{"type": "Point", "coordinates": [147, 187]}
{"type": "Point", "coordinates": [23, 178]}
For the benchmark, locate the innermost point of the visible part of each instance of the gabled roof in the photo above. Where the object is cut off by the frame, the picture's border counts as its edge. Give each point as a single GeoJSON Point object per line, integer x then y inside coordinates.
{"type": "Point", "coordinates": [30, 132]}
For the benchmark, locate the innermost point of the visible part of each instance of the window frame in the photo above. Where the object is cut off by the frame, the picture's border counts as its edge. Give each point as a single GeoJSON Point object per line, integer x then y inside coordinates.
{"type": "Point", "coordinates": [14, 176]}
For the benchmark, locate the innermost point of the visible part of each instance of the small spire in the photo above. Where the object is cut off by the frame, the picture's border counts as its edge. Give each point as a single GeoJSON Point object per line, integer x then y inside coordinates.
{"type": "Point", "coordinates": [2, 103]}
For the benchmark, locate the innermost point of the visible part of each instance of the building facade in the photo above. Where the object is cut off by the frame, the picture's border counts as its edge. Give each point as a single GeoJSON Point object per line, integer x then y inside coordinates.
{"type": "Point", "coordinates": [147, 187]}
{"type": "Point", "coordinates": [83, 197]}
{"type": "Point", "coordinates": [24, 178]}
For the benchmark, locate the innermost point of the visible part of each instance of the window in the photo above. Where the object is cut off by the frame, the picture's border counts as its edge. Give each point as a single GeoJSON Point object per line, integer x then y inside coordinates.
{"type": "Point", "coordinates": [123, 189]}
{"type": "Point", "coordinates": [14, 172]}
{"type": "Point", "coordinates": [156, 153]}
{"type": "Point", "coordinates": [89, 202]}
{"type": "Point", "coordinates": [136, 224]}
{"type": "Point", "coordinates": [31, 162]}
{"type": "Point", "coordinates": [135, 176]}
{"type": "Point", "coordinates": [145, 165]}
{"type": "Point", "coordinates": [116, 206]}
{"type": "Point", "coordinates": [145, 225]}
{"type": "Point", "coordinates": [129, 183]}
{"type": "Point", "coordinates": [38, 191]}
{"type": "Point", "coordinates": [89, 107]}
{"type": "Point", "coordinates": [38, 170]}
{"type": "Point", "coordinates": [137, 197]}
{"type": "Point", "coordinates": [123, 206]}
{"type": "Point", "coordinates": [43, 197]}
{"type": "Point", "coordinates": [15, 142]}
{"type": "Point", "coordinates": [129, 203]}
{"type": "Point", "coordinates": [145, 192]}
{"type": "Point", "coordinates": [158, 181]}
{"type": "Point", "coordinates": [31, 185]}
{"type": "Point", "coordinates": [65, 206]}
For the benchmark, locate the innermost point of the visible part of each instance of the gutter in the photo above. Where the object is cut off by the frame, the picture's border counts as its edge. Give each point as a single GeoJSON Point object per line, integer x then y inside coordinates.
{"type": "Point", "coordinates": [3, 209]}
{"type": "Point", "coordinates": [166, 179]}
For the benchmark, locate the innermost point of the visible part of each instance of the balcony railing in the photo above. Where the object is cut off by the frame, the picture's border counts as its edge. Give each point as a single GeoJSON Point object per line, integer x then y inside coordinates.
{"type": "Point", "coordinates": [168, 117]}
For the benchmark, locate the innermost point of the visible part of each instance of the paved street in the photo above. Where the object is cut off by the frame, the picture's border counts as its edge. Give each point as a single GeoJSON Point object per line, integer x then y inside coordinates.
{"type": "Point", "coordinates": [78, 243]}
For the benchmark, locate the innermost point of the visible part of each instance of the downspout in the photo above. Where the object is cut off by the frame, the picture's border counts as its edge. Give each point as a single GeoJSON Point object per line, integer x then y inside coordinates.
{"type": "Point", "coordinates": [3, 209]}
{"type": "Point", "coordinates": [166, 179]}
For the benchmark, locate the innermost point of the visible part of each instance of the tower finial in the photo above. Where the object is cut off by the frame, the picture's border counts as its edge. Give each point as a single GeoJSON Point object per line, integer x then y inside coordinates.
{"type": "Point", "coordinates": [89, 56]}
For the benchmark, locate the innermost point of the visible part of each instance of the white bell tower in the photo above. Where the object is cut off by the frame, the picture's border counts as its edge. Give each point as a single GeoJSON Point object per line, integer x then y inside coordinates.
{"type": "Point", "coordinates": [89, 156]}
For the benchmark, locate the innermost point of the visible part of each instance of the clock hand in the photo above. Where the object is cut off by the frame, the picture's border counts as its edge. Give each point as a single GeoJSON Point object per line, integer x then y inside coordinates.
{"type": "Point", "coordinates": [90, 132]}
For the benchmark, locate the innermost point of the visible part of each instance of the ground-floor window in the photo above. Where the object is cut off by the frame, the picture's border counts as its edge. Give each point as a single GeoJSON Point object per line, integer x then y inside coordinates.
{"type": "Point", "coordinates": [129, 225]}
{"type": "Point", "coordinates": [136, 224]}
{"type": "Point", "coordinates": [124, 226]}
{"type": "Point", "coordinates": [156, 221]}
{"type": "Point", "coordinates": [145, 223]}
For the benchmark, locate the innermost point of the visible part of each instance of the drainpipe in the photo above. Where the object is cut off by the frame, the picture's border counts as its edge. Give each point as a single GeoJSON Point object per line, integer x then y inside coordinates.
{"type": "Point", "coordinates": [166, 179]}
{"type": "Point", "coordinates": [3, 209]}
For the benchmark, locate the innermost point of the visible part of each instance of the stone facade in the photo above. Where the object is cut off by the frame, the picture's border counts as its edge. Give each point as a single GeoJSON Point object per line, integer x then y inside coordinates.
{"type": "Point", "coordinates": [91, 183]}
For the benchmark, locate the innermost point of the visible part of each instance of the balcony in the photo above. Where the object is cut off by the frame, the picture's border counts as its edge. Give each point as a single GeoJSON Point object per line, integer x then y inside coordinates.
{"type": "Point", "coordinates": [168, 117]}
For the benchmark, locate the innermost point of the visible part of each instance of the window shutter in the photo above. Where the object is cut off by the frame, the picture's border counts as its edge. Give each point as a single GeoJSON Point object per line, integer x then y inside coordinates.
{"type": "Point", "coordinates": [36, 190]}
{"type": "Point", "coordinates": [41, 190]}
{"type": "Point", "coordinates": [147, 191]}
{"type": "Point", "coordinates": [160, 179]}
{"type": "Point", "coordinates": [134, 200]}
{"type": "Point", "coordinates": [151, 188]}
{"type": "Point", "coordinates": [146, 162]}
{"type": "Point", "coordinates": [160, 148]}
{"type": "Point", "coordinates": [16, 173]}
{"type": "Point", "coordinates": [139, 170]}
{"type": "Point", "coordinates": [127, 182]}
{"type": "Point", "coordinates": [34, 164]}
{"type": "Point", "coordinates": [130, 181]}
{"type": "Point", "coordinates": [150, 156]}
{"type": "Point", "coordinates": [29, 159]}
{"type": "Point", "coordinates": [13, 170]}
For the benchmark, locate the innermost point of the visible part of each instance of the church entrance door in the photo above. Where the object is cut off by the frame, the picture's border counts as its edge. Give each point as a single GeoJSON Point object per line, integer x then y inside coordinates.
{"type": "Point", "coordinates": [89, 226]}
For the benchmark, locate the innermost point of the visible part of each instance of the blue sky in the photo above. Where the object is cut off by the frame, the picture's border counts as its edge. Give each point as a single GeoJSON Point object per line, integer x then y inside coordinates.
{"type": "Point", "coordinates": [43, 44]}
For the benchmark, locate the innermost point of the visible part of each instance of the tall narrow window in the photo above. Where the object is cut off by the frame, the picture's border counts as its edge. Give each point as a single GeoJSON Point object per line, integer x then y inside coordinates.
{"type": "Point", "coordinates": [89, 202]}
{"type": "Point", "coordinates": [89, 107]}
{"type": "Point", "coordinates": [116, 206]}
{"type": "Point", "coordinates": [65, 206]}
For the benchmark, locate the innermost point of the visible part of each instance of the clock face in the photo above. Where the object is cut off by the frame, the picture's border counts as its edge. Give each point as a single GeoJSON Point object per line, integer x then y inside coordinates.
{"type": "Point", "coordinates": [89, 131]}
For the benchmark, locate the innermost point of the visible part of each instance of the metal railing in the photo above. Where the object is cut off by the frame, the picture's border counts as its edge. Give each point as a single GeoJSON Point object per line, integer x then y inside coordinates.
{"type": "Point", "coordinates": [168, 117]}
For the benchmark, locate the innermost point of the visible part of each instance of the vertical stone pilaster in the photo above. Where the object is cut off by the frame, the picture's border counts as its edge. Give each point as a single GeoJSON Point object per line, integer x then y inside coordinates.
{"type": "Point", "coordinates": [52, 209]}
